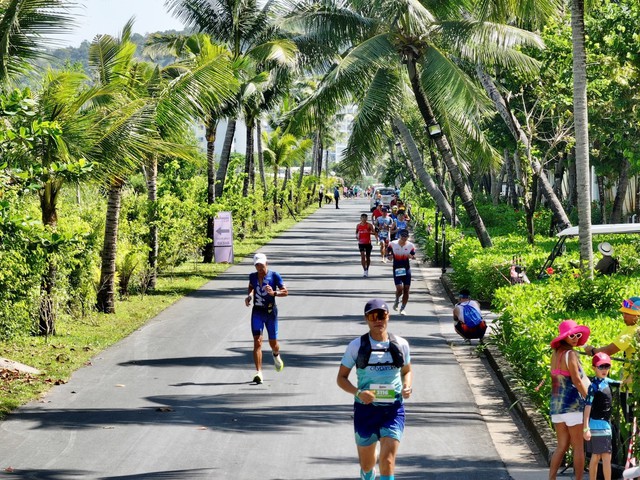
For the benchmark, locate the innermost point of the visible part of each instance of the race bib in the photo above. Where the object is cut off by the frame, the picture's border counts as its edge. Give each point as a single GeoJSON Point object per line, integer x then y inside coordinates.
{"type": "Point", "coordinates": [401, 272]}
{"type": "Point", "coordinates": [384, 392]}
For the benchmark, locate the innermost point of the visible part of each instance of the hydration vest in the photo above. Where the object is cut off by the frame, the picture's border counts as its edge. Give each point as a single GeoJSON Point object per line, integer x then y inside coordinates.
{"type": "Point", "coordinates": [364, 352]}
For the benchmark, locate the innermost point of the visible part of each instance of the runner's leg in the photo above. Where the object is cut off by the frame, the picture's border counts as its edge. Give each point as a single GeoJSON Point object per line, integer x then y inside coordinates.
{"type": "Point", "coordinates": [257, 351]}
{"type": "Point", "coordinates": [388, 451]}
{"type": "Point", "coordinates": [367, 457]}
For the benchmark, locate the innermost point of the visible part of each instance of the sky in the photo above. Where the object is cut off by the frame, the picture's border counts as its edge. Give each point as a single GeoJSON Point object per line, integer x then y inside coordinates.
{"type": "Point", "coordinates": [109, 16]}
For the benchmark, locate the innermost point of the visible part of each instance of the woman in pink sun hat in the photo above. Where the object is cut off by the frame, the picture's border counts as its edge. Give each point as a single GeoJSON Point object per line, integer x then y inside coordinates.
{"type": "Point", "coordinates": [569, 386]}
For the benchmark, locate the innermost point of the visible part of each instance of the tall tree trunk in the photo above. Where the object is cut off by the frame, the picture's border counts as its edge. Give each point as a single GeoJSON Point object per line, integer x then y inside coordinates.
{"type": "Point", "coordinates": [423, 175]}
{"type": "Point", "coordinates": [518, 134]}
{"type": "Point", "coordinates": [512, 195]}
{"type": "Point", "coordinates": [444, 148]}
{"type": "Point", "coordinates": [212, 125]}
{"type": "Point", "coordinates": [225, 155]}
{"type": "Point", "coordinates": [249, 170]}
{"type": "Point", "coordinates": [581, 127]}
{"type": "Point", "coordinates": [496, 183]}
{"type": "Point", "coordinates": [106, 288]}
{"type": "Point", "coordinates": [559, 176]}
{"type": "Point", "coordinates": [151, 174]}
{"type": "Point", "coordinates": [572, 194]}
{"type": "Point", "coordinates": [260, 152]}
{"type": "Point", "coordinates": [46, 309]}
{"type": "Point", "coordinates": [621, 192]}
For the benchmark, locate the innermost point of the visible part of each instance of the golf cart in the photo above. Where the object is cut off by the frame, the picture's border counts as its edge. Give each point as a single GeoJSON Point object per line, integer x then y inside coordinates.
{"type": "Point", "coordinates": [559, 247]}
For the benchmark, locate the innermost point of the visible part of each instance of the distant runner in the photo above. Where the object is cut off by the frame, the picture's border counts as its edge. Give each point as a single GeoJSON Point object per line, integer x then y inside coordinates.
{"type": "Point", "coordinates": [364, 230]}
{"type": "Point", "coordinates": [402, 250]}
{"type": "Point", "coordinates": [384, 225]}
{"type": "Point", "coordinates": [265, 285]}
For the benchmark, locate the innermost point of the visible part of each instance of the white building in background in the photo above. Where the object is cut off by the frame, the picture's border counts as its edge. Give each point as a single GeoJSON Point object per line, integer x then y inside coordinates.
{"type": "Point", "coordinates": [239, 139]}
{"type": "Point", "coordinates": [344, 127]}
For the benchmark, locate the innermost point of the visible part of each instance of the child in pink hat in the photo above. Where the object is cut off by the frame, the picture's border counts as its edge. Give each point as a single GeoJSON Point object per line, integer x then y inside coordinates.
{"type": "Point", "coordinates": [597, 412]}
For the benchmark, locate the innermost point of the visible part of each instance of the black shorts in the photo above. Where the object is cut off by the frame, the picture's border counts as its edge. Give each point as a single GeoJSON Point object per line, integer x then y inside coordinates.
{"type": "Point", "coordinates": [600, 442]}
{"type": "Point", "coordinates": [365, 247]}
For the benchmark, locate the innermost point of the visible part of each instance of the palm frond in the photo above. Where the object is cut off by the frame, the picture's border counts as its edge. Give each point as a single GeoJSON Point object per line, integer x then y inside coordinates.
{"type": "Point", "coordinates": [382, 100]}
{"type": "Point", "coordinates": [449, 89]}
{"type": "Point", "coordinates": [24, 24]}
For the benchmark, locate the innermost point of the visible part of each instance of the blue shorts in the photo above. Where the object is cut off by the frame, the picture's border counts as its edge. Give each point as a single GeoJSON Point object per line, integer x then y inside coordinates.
{"type": "Point", "coordinates": [264, 317]}
{"type": "Point", "coordinates": [402, 279]}
{"type": "Point", "coordinates": [372, 422]}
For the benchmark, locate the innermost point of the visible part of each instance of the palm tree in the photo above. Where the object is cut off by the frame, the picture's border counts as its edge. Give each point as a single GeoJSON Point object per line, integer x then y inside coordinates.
{"type": "Point", "coordinates": [23, 23]}
{"type": "Point", "coordinates": [581, 127]}
{"type": "Point", "coordinates": [282, 150]}
{"type": "Point", "coordinates": [256, 45]}
{"type": "Point", "coordinates": [196, 86]}
{"type": "Point", "coordinates": [395, 44]}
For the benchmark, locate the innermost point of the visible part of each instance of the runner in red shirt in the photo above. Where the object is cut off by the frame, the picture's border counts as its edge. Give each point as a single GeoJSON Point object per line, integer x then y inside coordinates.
{"type": "Point", "coordinates": [364, 230]}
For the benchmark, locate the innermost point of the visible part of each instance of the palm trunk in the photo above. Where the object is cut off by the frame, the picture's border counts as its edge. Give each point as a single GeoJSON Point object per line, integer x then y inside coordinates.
{"type": "Point", "coordinates": [518, 134]}
{"type": "Point", "coordinates": [225, 155]}
{"type": "Point", "coordinates": [46, 308]}
{"type": "Point", "coordinates": [581, 126]}
{"type": "Point", "coordinates": [444, 148]}
{"type": "Point", "coordinates": [317, 148]}
{"type": "Point", "coordinates": [260, 152]}
{"type": "Point", "coordinates": [151, 174]}
{"type": "Point", "coordinates": [106, 288]}
{"type": "Point", "coordinates": [602, 204]}
{"type": "Point", "coordinates": [212, 125]}
{"type": "Point", "coordinates": [623, 184]}
{"type": "Point", "coordinates": [423, 175]}
{"type": "Point", "coordinates": [249, 170]}
{"type": "Point", "coordinates": [512, 195]}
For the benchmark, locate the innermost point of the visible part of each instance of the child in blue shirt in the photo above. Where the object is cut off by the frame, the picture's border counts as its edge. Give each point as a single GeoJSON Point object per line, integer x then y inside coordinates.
{"type": "Point", "coordinates": [597, 412]}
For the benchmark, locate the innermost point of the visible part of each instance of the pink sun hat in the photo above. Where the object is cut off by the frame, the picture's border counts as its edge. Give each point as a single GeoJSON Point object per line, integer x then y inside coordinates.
{"type": "Point", "coordinates": [570, 327]}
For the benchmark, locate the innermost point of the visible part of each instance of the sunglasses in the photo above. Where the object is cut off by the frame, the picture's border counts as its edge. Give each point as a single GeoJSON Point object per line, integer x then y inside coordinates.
{"type": "Point", "coordinates": [575, 335]}
{"type": "Point", "coordinates": [603, 367]}
{"type": "Point", "coordinates": [377, 315]}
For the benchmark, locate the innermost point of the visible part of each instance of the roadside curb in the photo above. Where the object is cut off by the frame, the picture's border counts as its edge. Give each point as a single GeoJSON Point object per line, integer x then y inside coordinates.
{"type": "Point", "coordinates": [540, 431]}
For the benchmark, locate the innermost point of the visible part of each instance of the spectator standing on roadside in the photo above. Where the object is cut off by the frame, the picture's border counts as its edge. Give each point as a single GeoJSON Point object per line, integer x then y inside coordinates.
{"type": "Point", "coordinates": [384, 380]}
{"type": "Point", "coordinates": [264, 285]}
{"type": "Point", "coordinates": [336, 195]}
{"type": "Point", "coordinates": [320, 196]}
{"type": "Point", "coordinates": [567, 388]}
{"type": "Point", "coordinates": [597, 413]}
{"type": "Point", "coordinates": [364, 230]}
{"type": "Point", "coordinates": [623, 343]}
{"type": "Point", "coordinates": [467, 317]}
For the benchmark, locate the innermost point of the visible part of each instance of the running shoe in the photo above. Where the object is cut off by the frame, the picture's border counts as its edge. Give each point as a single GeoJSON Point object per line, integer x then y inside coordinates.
{"type": "Point", "coordinates": [403, 311]}
{"type": "Point", "coordinates": [365, 274]}
{"type": "Point", "coordinates": [395, 305]}
{"type": "Point", "coordinates": [368, 476]}
{"type": "Point", "coordinates": [277, 359]}
{"type": "Point", "coordinates": [257, 378]}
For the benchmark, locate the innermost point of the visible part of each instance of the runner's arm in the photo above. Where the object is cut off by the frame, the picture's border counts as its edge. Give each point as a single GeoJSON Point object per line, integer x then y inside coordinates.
{"type": "Point", "coordinates": [407, 381]}
{"type": "Point", "coordinates": [345, 384]}
{"type": "Point", "coordinates": [247, 300]}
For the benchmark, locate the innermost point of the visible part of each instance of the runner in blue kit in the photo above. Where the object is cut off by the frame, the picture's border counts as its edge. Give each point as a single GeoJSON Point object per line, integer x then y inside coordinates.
{"type": "Point", "coordinates": [265, 285]}
{"type": "Point", "coordinates": [384, 225]}
{"type": "Point", "coordinates": [384, 380]}
{"type": "Point", "coordinates": [402, 250]}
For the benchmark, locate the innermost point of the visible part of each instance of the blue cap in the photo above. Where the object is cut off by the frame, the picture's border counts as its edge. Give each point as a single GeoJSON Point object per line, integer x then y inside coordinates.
{"type": "Point", "coordinates": [375, 304]}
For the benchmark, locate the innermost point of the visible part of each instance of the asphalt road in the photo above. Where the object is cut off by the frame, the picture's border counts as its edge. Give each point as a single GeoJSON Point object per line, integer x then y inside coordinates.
{"type": "Point", "coordinates": [175, 399]}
